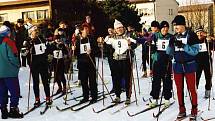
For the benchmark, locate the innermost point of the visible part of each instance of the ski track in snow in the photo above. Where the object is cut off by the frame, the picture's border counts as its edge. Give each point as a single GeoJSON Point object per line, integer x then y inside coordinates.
{"type": "Point", "coordinates": [87, 114]}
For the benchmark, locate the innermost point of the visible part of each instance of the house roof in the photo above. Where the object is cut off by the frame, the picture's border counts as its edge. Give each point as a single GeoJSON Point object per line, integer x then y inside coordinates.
{"type": "Point", "coordinates": [20, 2]}
{"type": "Point", "coordinates": [190, 8]}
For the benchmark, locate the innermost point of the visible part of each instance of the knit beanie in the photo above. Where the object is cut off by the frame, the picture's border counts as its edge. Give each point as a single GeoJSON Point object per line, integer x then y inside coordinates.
{"type": "Point", "coordinates": [4, 30]}
{"type": "Point", "coordinates": [179, 20]}
{"type": "Point", "coordinates": [164, 24]}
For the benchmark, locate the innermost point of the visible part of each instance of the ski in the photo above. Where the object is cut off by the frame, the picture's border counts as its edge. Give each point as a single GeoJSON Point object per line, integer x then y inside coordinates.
{"type": "Point", "coordinates": [162, 110]}
{"type": "Point", "coordinates": [33, 108]}
{"type": "Point", "coordinates": [69, 107]}
{"type": "Point", "coordinates": [147, 109]}
{"type": "Point", "coordinates": [187, 116]}
{"type": "Point", "coordinates": [207, 119]}
{"type": "Point", "coordinates": [45, 109]}
{"type": "Point", "coordinates": [123, 107]}
{"type": "Point", "coordinates": [77, 98]}
{"type": "Point", "coordinates": [84, 106]}
{"type": "Point", "coordinates": [108, 107]}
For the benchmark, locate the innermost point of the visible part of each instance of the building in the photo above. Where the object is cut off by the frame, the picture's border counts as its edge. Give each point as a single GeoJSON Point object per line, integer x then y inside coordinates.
{"type": "Point", "coordinates": [156, 10]}
{"type": "Point", "coordinates": [201, 15]}
{"type": "Point", "coordinates": [36, 9]}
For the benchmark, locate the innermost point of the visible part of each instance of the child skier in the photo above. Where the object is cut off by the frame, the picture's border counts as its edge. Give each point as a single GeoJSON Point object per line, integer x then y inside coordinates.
{"type": "Point", "coordinates": [161, 66]}
{"type": "Point", "coordinates": [39, 65]}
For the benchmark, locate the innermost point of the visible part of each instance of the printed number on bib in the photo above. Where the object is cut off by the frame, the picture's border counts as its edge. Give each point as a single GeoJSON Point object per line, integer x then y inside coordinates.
{"type": "Point", "coordinates": [120, 46]}
{"type": "Point", "coordinates": [58, 54]}
{"type": "Point", "coordinates": [162, 44]}
{"type": "Point", "coordinates": [84, 48]}
{"type": "Point", "coordinates": [202, 47]}
{"type": "Point", "coordinates": [40, 48]}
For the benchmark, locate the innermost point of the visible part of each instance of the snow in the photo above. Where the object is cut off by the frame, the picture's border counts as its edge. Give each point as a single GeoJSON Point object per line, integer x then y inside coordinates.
{"type": "Point", "coordinates": [87, 114]}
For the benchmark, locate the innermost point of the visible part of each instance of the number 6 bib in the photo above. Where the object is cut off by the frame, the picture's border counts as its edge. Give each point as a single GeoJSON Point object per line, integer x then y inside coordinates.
{"type": "Point", "coordinates": [162, 44]}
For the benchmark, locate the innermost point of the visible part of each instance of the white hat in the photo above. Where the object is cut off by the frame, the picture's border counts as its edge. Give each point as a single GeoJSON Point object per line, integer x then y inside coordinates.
{"type": "Point", "coordinates": [117, 24]}
{"type": "Point", "coordinates": [4, 30]}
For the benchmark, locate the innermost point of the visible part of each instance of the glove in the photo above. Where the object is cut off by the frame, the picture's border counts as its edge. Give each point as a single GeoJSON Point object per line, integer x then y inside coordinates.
{"type": "Point", "coordinates": [50, 58]}
{"type": "Point", "coordinates": [179, 44]}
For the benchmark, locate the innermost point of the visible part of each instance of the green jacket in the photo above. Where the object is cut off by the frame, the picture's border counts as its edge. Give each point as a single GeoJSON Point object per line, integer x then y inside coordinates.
{"type": "Point", "coordinates": [9, 64]}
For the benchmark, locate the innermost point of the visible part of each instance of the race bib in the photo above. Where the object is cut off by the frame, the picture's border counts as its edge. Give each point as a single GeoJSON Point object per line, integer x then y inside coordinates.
{"type": "Point", "coordinates": [84, 48]}
{"type": "Point", "coordinates": [40, 48]}
{"type": "Point", "coordinates": [58, 54]}
{"type": "Point", "coordinates": [184, 41]}
{"type": "Point", "coordinates": [120, 46]}
{"type": "Point", "coordinates": [202, 47]}
{"type": "Point", "coordinates": [162, 45]}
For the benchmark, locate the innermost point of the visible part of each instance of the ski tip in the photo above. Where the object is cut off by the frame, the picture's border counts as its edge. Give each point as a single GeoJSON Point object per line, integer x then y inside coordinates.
{"type": "Point", "coordinates": [129, 114]}
{"type": "Point", "coordinates": [93, 110]}
{"type": "Point", "coordinates": [154, 115]}
{"type": "Point", "coordinates": [57, 108]}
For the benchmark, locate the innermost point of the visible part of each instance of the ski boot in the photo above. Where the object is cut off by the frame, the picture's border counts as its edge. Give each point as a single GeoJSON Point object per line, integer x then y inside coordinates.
{"type": "Point", "coordinates": [14, 113]}
{"type": "Point", "coordinates": [48, 101]}
{"type": "Point", "coordinates": [37, 102]}
{"type": "Point", "coordinates": [153, 103]}
{"type": "Point", "coordinates": [116, 100]}
{"type": "Point", "coordinates": [4, 113]}
{"type": "Point", "coordinates": [166, 103]}
{"type": "Point", "coordinates": [127, 101]}
{"type": "Point", "coordinates": [207, 94]}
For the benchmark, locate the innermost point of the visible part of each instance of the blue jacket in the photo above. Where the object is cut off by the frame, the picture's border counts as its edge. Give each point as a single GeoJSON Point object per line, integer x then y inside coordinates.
{"type": "Point", "coordinates": [184, 59]}
{"type": "Point", "coordinates": [9, 64]}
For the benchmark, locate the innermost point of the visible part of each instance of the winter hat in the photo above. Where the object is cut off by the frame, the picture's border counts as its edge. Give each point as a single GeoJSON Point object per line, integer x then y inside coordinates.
{"type": "Point", "coordinates": [4, 30]}
{"type": "Point", "coordinates": [20, 21]}
{"type": "Point", "coordinates": [117, 24]}
{"type": "Point", "coordinates": [179, 20]}
{"type": "Point", "coordinates": [155, 24]}
{"type": "Point", "coordinates": [200, 29]}
{"type": "Point", "coordinates": [164, 24]}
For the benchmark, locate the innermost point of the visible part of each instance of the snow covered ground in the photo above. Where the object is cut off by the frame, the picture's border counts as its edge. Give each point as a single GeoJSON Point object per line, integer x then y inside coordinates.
{"type": "Point", "coordinates": [87, 114]}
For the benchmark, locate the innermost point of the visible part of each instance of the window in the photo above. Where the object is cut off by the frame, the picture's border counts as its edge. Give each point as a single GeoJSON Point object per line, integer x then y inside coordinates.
{"type": "Point", "coordinates": [170, 11]}
{"type": "Point", "coordinates": [28, 14]}
{"type": "Point", "coordinates": [3, 17]}
{"type": "Point", "coordinates": [42, 14]}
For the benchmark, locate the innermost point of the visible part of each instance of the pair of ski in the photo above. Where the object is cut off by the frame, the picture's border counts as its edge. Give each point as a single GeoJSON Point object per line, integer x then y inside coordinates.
{"type": "Point", "coordinates": [46, 107]}
{"type": "Point", "coordinates": [187, 116]}
{"type": "Point", "coordinates": [150, 108]}
{"type": "Point", "coordinates": [78, 104]}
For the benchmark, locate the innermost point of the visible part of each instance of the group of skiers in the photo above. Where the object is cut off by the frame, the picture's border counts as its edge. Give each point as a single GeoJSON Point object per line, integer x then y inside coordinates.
{"type": "Point", "coordinates": [184, 54]}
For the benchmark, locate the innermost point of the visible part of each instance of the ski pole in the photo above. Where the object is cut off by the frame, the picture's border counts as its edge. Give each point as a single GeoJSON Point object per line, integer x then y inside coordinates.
{"type": "Point", "coordinates": [70, 73]}
{"type": "Point", "coordinates": [29, 83]}
{"type": "Point", "coordinates": [132, 76]}
{"type": "Point", "coordinates": [100, 44]}
{"type": "Point", "coordinates": [138, 80]}
{"type": "Point", "coordinates": [100, 76]}
{"type": "Point", "coordinates": [55, 77]}
{"type": "Point", "coordinates": [211, 72]}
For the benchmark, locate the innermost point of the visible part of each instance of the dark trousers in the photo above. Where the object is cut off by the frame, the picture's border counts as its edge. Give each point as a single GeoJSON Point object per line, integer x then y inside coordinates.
{"type": "Point", "coordinates": [41, 70]}
{"type": "Point", "coordinates": [208, 75]}
{"type": "Point", "coordinates": [12, 85]}
{"type": "Point", "coordinates": [24, 59]}
{"type": "Point", "coordinates": [161, 73]}
{"type": "Point", "coordinates": [87, 75]}
{"type": "Point", "coordinates": [122, 70]}
{"type": "Point", "coordinates": [59, 69]}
